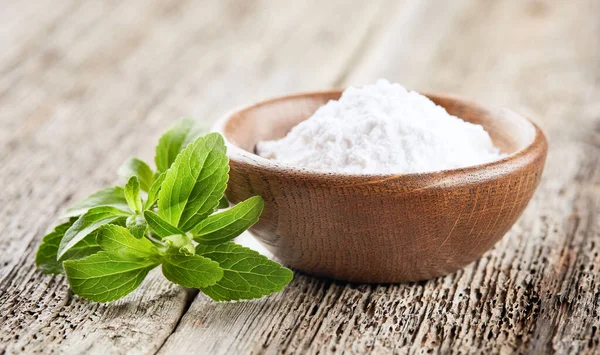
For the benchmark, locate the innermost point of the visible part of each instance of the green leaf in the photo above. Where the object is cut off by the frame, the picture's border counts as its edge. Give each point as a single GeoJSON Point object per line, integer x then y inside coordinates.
{"type": "Point", "coordinates": [45, 259]}
{"type": "Point", "coordinates": [154, 190]}
{"type": "Point", "coordinates": [159, 226]}
{"type": "Point", "coordinates": [86, 247]}
{"type": "Point", "coordinates": [119, 242]}
{"type": "Point", "coordinates": [195, 182]}
{"type": "Point", "coordinates": [137, 167]}
{"type": "Point", "coordinates": [191, 271]}
{"type": "Point", "coordinates": [224, 226]}
{"type": "Point", "coordinates": [86, 224]}
{"type": "Point", "coordinates": [110, 196]}
{"type": "Point", "coordinates": [132, 194]}
{"type": "Point", "coordinates": [182, 133]}
{"type": "Point", "coordinates": [137, 225]}
{"type": "Point", "coordinates": [247, 274]}
{"type": "Point", "coordinates": [103, 277]}
{"type": "Point", "coordinates": [223, 203]}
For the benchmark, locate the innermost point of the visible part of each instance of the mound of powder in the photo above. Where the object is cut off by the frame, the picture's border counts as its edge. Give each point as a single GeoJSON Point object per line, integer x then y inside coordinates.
{"type": "Point", "coordinates": [379, 129]}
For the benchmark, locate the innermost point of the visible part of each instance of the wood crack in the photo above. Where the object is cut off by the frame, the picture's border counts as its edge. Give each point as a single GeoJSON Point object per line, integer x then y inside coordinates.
{"type": "Point", "coordinates": [190, 295]}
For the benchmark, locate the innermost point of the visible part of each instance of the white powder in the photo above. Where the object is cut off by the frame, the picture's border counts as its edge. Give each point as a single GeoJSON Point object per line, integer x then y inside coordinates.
{"type": "Point", "coordinates": [379, 129]}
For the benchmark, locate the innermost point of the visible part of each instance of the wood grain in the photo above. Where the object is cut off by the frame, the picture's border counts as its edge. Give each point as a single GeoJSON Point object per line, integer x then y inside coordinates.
{"type": "Point", "coordinates": [386, 228]}
{"type": "Point", "coordinates": [83, 85]}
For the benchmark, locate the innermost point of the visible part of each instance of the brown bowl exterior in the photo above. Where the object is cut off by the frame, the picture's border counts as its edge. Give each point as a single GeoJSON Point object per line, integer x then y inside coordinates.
{"type": "Point", "coordinates": [382, 228]}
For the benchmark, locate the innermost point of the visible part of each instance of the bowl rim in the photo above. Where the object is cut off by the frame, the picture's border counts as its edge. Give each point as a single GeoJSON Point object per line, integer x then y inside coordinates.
{"type": "Point", "coordinates": [537, 146]}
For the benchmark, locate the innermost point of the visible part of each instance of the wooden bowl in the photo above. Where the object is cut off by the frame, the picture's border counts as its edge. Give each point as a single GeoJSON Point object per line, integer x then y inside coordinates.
{"type": "Point", "coordinates": [381, 228]}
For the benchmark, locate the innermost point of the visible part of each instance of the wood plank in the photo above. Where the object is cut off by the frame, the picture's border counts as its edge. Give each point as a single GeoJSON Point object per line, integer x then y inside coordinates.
{"type": "Point", "coordinates": [536, 290]}
{"type": "Point", "coordinates": [130, 87]}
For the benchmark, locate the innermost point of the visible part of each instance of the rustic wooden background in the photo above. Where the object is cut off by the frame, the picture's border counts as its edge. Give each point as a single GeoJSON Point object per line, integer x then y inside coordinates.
{"type": "Point", "coordinates": [85, 84]}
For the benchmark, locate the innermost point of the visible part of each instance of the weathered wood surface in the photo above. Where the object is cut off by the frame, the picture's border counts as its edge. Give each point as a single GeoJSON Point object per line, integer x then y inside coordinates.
{"type": "Point", "coordinates": [83, 85]}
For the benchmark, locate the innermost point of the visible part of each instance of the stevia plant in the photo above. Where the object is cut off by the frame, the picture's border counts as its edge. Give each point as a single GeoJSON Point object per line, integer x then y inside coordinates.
{"type": "Point", "coordinates": [168, 217]}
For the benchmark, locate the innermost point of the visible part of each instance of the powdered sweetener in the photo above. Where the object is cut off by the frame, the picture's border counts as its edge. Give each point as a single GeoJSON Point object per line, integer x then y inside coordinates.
{"type": "Point", "coordinates": [381, 129]}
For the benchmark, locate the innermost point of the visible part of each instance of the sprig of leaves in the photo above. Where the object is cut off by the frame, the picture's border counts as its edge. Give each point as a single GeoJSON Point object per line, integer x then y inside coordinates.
{"type": "Point", "coordinates": [167, 217]}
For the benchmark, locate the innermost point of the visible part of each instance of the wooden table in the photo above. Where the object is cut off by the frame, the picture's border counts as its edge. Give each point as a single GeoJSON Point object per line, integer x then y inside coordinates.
{"type": "Point", "coordinates": [85, 84]}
